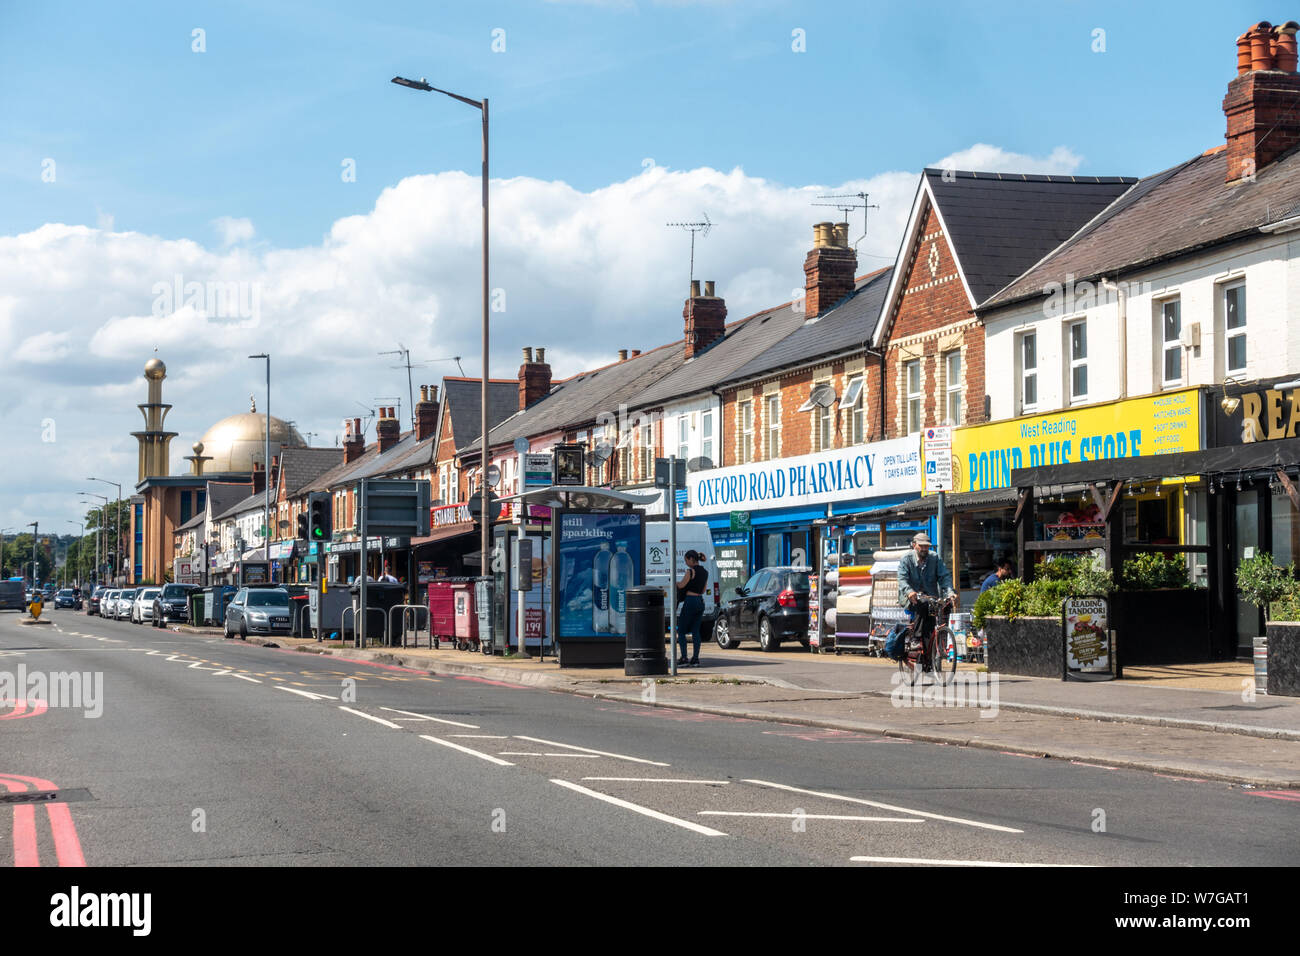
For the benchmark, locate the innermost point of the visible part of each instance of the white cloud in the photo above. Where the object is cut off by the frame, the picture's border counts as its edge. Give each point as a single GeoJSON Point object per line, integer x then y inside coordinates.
{"type": "Point", "coordinates": [233, 231]}
{"type": "Point", "coordinates": [982, 157]}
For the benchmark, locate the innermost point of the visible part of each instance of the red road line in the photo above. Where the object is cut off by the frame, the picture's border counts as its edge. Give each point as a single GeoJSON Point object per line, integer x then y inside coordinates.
{"type": "Point", "coordinates": [20, 710]}
{"type": "Point", "coordinates": [1293, 795]}
{"type": "Point", "coordinates": [67, 847]}
{"type": "Point", "coordinates": [25, 850]}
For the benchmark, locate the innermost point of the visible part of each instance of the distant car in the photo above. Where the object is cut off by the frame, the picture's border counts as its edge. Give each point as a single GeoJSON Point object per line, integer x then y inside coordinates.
{"type": "Point", "coordinates": [122, 609]}
{"type": "Point", "coordinates": [172, 603]}
{"type": "Point", "coordinates": [95, 599]}
{"type": "Point", "coordinates": [142, 605]}
{"type": "Point", "coordinates": [771, 607]}
{"type": "Point", "coordinates": [258, 611]}
{"type": "Point", "coordinates": [65, 598]}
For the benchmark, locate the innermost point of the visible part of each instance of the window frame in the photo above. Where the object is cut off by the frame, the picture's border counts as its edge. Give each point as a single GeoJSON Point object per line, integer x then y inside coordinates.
{"type": "Point", "coordinates": [1240, 332]}
{"type": "Point", "coordinates": [953, 392]}
{"type": "Point", "coordinates": [1167, 346]}
{"type": "Point", "coordinates": [856, 405]}
{"type": "Point", "coordinates": [1027, 373]}
{"type": "Point", "coordinates": [706, 435]}
{"type": "Point", "coordinates": [684, 437]}
{"type": "Point", "coordinates": [772, 425]}
{"type": "Point", "coordinates": [912, 424]}
{"type": "Point", "coordinates": [1073, 363]}
{"type": "Point", "coordinates": [745, 431]}
{"type": "Point", "coordinates": [645, 445]}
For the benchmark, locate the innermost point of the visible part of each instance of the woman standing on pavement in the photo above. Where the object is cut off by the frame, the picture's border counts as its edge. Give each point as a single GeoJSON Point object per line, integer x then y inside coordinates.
{"type": "Point", "coordinates": [690, 590]}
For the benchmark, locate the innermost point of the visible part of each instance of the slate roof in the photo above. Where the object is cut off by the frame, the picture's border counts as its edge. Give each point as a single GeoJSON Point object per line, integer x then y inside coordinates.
{"type": "Point", "coordinates": [463, 396]}
{"type": "Point", "coordinates": [223, 494]}
{"type": "Point", "coordinates": [850, 324]}
{"type": "Point", "coordinates": [1173, 213]}
{"type": "Point", "coordinates": [243, 505]}
{"type": "Point", "coordinates": [194, 522]}
{"type": "Point", "coordinates": [1000, 224]}
{"type": "Point", "coordinates": [300, 466]}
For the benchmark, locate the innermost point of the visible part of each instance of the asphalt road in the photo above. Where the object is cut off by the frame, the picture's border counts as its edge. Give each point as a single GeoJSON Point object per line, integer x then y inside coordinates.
{"type": "Point", "coordinates": [214, 752]}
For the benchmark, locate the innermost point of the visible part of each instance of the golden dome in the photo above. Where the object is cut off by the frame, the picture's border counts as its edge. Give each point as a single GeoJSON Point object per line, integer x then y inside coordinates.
{"type": "Point", "coordinates": [234, 443]}
{"type": "Point", "coordinates": [155, 369]}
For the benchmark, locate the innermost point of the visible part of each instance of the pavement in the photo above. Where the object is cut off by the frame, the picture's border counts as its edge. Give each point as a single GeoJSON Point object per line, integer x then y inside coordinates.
{"type": "Point", "coordinates": [1204, 724]}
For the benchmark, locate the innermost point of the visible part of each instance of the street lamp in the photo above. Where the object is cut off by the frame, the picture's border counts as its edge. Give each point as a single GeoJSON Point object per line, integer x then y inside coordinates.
{"type": "Point", "coordinates": [266, 469]}
{"type": "Point", "coordinates": [81, 547]}
{"type": "Point", "coordinates": [36, 529]}
{"type": "Point", "coordinates": [100, 535]}
{"type": "Point", "coordinates": [482, 106]}
{"type": "Point", "coordinates": [117, 570]}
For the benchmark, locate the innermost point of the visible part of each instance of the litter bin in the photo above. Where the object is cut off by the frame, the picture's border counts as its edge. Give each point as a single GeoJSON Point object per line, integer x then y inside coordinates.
{"type": "Point", "coordinates": [645, 633]}
{"type": "Point", "coordinates": [196, 608]}
{"type": "Point", "coordinates": [381, 596]}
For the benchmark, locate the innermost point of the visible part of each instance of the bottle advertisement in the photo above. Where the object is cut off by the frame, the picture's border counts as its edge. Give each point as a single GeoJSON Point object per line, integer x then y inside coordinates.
{"type": "Point", "coordinates": [600, 557]}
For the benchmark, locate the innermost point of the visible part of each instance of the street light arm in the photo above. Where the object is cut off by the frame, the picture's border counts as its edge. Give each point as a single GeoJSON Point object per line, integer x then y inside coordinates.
{"type": "Point", "coordinates": [423, 86]}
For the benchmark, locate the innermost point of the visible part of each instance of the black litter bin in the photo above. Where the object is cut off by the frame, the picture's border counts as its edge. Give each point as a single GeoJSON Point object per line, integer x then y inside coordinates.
{"type": "Point", "coordinates": [645, 633]}
{"type": "Point", "coordinates": [381, 597]}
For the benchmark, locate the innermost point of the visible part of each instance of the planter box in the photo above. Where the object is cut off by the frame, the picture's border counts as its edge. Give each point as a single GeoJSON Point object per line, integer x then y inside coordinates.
{"type": "Point", "coordinates": [1027, 646]}
{"type": "Point", "coordinates": [1165, 626]}
{"type": "Point", "coordinates": [1284, 659]}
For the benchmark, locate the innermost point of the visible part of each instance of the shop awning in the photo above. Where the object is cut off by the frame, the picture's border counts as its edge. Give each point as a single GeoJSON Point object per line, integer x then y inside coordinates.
{"type": "Point", "coordinates": [445, 533]}
{"type": "Point", "coordinates": [582, 496]}
{"type": "Point", "coordinates": [1230, 460]}
{"type": "Point", "coordinates": [952, 502]}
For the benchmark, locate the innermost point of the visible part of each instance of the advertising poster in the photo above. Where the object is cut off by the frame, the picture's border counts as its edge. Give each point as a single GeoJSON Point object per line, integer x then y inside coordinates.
{"type": "Point", "coordinates": [600, 557]}
{"type": "Point", "coordinates": [731, 554]}
{"type": "Point", "coordinates": [536, 600]}
{"type": "Point", "coordinates": [1087, 639]}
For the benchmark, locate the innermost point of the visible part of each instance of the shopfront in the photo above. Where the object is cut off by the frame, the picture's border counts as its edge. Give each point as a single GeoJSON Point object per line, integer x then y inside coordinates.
{"type": "Point", "coordinates": [762, 514]}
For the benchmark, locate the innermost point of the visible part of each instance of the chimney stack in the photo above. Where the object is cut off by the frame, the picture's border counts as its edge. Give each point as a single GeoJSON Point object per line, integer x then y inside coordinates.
{"type": "Point", "coordinates": [534, 378]}
{"type": "Point", "coordinates": [1263, 102]}
{"type": "Point", "coordinates": [354, 442]}
{"type": "Point", "coordinates": [828, 268]}
{"type": "Point", "coordinates": [387, 430]}
{"type": "Point", "coordinates": [426, 412]}
{"type": "Point", "coordinates": [706, 318]}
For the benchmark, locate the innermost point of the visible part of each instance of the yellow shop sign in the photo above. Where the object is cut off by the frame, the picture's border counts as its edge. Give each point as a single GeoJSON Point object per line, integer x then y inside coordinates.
{"type": "Point", "coordinates": [985, 455]}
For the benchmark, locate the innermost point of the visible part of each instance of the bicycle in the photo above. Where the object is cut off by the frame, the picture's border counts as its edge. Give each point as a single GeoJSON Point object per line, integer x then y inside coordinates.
{"type": "Point", "coordinates": [928, 646]}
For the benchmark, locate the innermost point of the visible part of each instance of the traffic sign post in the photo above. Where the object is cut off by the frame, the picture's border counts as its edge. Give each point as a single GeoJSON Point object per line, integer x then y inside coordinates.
{"type": "Point", "coordinates": [670, 473]}
{"type": "Point", "coordinates": [936, 453]}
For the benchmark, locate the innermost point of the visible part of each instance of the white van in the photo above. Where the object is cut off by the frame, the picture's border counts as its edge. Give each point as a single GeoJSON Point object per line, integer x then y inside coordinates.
{"type": "Point", "coordinates": [691, 536]}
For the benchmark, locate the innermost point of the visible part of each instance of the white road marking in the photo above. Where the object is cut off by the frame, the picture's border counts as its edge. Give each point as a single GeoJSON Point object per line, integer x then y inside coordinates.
{"type": "Point", "coordinates": [637, 808]}
{"type": "Point", "coordinates": [482, 736]}
{"type": "Point", "coordinates": [907, 860]}
{"type": "Point", "coordinates": [308, 694]}
{"type": "Point", "coordinates": [454, 723]}
{"type": "Point", "coordinates": [466, 750]}
{"type": "Point", "coordinates": [808, 816]}
{"type": "Point", "coordinates": [251, 680]}
{"type": "Point", "coordinates": [362, 713]}
{"type": "Point", "coordinates": [603, 753]}
{"type": "Point", "coordinates": [529, 753]}
{"type": "Point", "coordinates": [657, 780]}
{"type": "Point", "coordinates": [887, 806]}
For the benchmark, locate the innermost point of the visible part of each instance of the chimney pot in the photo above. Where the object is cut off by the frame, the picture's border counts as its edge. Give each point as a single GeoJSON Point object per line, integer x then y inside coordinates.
{"type": "Point", "coordinates": [1284, 46]}
{"type": "Point", "coordinates": [622, 355]}
{"type": "Point", "coordinates": [541, 356]}
{"type": "Point", "coordinates": [695, 288]}
{"type": "Point", "coordinates": [1243, 53]}
{"type": "Point", "coordinates": [828, 268]}
{"type": "Point", "coordinates": [821, 235]}
{"type": "Point", "coordinates": [636, 352]}
{"type": "Point", "coordinates": [534, 378]}
{"type": "Point", "coordinates": [1261, 46]}
{"type": "Point", "coordinates": [708, 288]}
{"type": "Point", "coordinates": [528, 355]}
{"type": "Point", "coordinates": [842, 235]}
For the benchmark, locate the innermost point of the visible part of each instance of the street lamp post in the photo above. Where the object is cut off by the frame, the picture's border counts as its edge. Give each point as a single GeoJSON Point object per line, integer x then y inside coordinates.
{"type": "Point", "coordinates": [117, 569]}
{"type": "Point", "coordinates": [484, 518]}
{"type": "Point", "coordinates": [81, 547]}
{"type": "Point", "coordinates": [266, 470]}
{"type": "Point", "coordinates": [99, 536]}
{"type": "Point", "coordinates": [36, 529]}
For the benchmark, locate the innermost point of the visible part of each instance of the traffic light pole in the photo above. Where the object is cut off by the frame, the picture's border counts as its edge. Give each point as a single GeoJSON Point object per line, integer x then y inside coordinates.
{"type": "Point", "coordinates": [359, 621]}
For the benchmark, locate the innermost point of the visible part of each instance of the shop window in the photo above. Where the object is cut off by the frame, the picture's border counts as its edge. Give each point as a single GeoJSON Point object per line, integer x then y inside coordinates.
{"type": "Point", "coordinates": [1286, 529]}
{"type": "Point", "coordinates": [1234, 322]}
{"type": "Point", "coordinates": [912, 385]}
{"type": "Point", "coordinates": [1027, 368]}
{"type": "Point", "coordinates": [1077, 341]}
{"type": "Point", "coordinates": [952, 379]}
{"type": "Point", "coordinates": [772, 420]}
{"type": "Point", "coordinates": [745, 433]}
{"type": "Point", "coordinates": [1171, 345]}
{"type": "Point", "coordinates": [856, 402]}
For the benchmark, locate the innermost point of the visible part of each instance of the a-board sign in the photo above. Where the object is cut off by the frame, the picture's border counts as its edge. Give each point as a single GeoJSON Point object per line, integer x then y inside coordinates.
{"type": "Point", "coordinates": [1089, 651]}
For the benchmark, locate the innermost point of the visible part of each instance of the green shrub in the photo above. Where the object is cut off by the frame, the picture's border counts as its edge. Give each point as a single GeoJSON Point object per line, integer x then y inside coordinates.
{"type": "Point", "coordinates": [1262, 583]}
{"type": "Point", "coordinates": [1054, 581]}
{"type": "Point", "coordinates": [1151, 570]}
{"type": "Point", "coordinates": [1287, 607]}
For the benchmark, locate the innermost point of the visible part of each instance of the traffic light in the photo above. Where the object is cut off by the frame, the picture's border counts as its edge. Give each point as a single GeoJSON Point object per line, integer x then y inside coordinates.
{"type": "Point", "coordinates": [302, 526]}
{"type": "Point", "coordinates": [320, 524]}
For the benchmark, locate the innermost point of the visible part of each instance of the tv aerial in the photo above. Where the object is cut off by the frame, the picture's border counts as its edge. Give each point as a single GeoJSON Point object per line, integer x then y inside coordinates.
{"type": "Point", "coordinates": [847, 203]}
{"type": "Point", "coordinates": [693, 227]}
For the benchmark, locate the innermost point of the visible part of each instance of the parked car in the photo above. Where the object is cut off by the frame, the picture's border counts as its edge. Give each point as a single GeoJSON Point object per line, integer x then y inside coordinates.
{"type": "Point", "coordinates": [172, 603]}
{"type": "Point", "coordinates": [258, 611]}
{"type": "Point", "coordinates": [122, 609]}
{"type": "Point", "coordinates": [142, 605]}
{"type": "Point", "coordinates": [12, 596]}
{"type": "Point", "coordinates": [96, 598]}
{"type": "Point", "coordinates": [65, 598]}
{"type": "Point", "coordinates": [770, 608]}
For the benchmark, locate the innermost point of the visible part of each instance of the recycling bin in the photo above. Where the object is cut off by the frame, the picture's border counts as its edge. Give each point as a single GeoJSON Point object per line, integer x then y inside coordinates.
{"type": "Point", "coordinates": [381, 597]}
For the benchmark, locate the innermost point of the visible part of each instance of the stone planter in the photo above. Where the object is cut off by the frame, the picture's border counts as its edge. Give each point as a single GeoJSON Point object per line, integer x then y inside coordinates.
{"type": "Point", "coordinates": [1284, 659]}
{"type": "Point", "coordinates": [1026, 646]}
{"type": "Point", "coordinates": [1164, 626]}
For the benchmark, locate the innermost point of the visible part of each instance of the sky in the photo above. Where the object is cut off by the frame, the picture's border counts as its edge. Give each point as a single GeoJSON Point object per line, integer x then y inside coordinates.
{"type": "Point", "coordinates": [257, 155]}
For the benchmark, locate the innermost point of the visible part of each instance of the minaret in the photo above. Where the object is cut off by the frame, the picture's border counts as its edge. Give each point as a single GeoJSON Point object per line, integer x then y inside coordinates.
{"type": "Point", "coordinates": [197, 459]}
{"type": "Point", "coordinates": [154, 441]}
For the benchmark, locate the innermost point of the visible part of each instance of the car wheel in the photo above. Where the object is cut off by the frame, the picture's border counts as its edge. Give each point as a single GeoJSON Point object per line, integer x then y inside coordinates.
{"type": "Point", "coordinates": [722, 634]}
{"type": "Point", "coordinates": [804, 643]}
{"type": "Point", "coordinates": [766, 639]}
{"type": "Point", "coordinates": [243, 630]}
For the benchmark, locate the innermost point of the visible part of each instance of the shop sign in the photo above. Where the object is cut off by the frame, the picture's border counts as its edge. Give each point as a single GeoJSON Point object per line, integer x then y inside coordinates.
{"type": "Point", "coordinates": [936, 450]}
{"type": "Point", "coordinates": [740, 521]}
{"type": "Point", "coordinates": [1261, 411]}
{"type": "Point", "coordinates": [842, 474]}
{"type": "Point", "coordinates": [536, 469]}
{"type": "Point", "coordinates": [985, 455]}
{"type": "Point", "coordinates": [443, 515]}
{"type": "Point", "coordinates": [1084, 629]}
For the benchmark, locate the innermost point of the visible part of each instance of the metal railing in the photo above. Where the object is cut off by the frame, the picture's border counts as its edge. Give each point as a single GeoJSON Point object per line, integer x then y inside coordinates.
{"type": "Point", "coordinates": [409, 611]}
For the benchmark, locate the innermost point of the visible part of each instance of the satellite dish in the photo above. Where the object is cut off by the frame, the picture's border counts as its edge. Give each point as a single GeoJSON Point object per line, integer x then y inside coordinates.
{"type": "Point", "coordinates": [521, 444]}
{"type": "Point", "coordinates": [602, 451]}
{"type": "Point", "coordinates": [699, 464]}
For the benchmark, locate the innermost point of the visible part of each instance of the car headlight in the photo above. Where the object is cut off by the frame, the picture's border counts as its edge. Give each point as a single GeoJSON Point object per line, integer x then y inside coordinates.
{"type": "Point", "coordinates": [257, 615]}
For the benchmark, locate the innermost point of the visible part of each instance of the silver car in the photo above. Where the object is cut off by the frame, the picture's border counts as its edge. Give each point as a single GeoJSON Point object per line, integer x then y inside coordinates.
{"type": "Point", "coordinates": [122, 609]}
{"type": "Point", "coordinates": [108, 603]}
{"type": "Point", "coordinates": [142, 605]}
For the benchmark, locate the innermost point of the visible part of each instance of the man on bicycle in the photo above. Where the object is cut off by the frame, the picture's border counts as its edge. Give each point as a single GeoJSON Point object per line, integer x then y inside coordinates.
{"type": "Point", "coordinates": [922, 574]}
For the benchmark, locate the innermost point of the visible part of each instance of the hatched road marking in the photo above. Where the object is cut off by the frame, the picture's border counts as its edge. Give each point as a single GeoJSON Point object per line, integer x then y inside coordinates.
{"type": "Point", "coordinates": [887, 806]}
{"type": "Point", "coordinates": [466, 750]}
{"type": "Point", "coordinates": [637, 808]}
{"type": "Point", "coordinates": [603, 753]}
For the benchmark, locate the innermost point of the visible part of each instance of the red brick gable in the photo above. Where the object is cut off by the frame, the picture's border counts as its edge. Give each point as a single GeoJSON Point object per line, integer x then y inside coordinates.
{"type": "Point", "coordinates": [929, 298]}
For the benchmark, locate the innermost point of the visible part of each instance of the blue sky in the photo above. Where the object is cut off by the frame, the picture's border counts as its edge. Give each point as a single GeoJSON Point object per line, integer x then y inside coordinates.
{"type": "Point", "coordinates": [131, 163]}
{"type": "Point", "coordinates": [165, 140]}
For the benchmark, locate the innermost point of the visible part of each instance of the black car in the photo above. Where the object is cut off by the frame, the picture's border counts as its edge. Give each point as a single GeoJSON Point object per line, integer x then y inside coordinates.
{"type": "Point", "coordinates": [173, 603]}
{"type": "Point", "coordinates": [258, 611]}
{"type": "Point", "coordinates": [92, 603]}
{"type": "Point", "coordinates": [67, 598]}
{"type": "Point", "coordinates": [772, 607]}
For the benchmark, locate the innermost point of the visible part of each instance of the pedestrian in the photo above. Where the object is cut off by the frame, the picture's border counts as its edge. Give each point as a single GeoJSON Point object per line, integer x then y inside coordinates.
{"type": "Point", "coordinates": [690, 591]}
{"type": "Point", "coordinates": [999, 574]}
{"type": "Point", "coordinates": [387, 577]}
